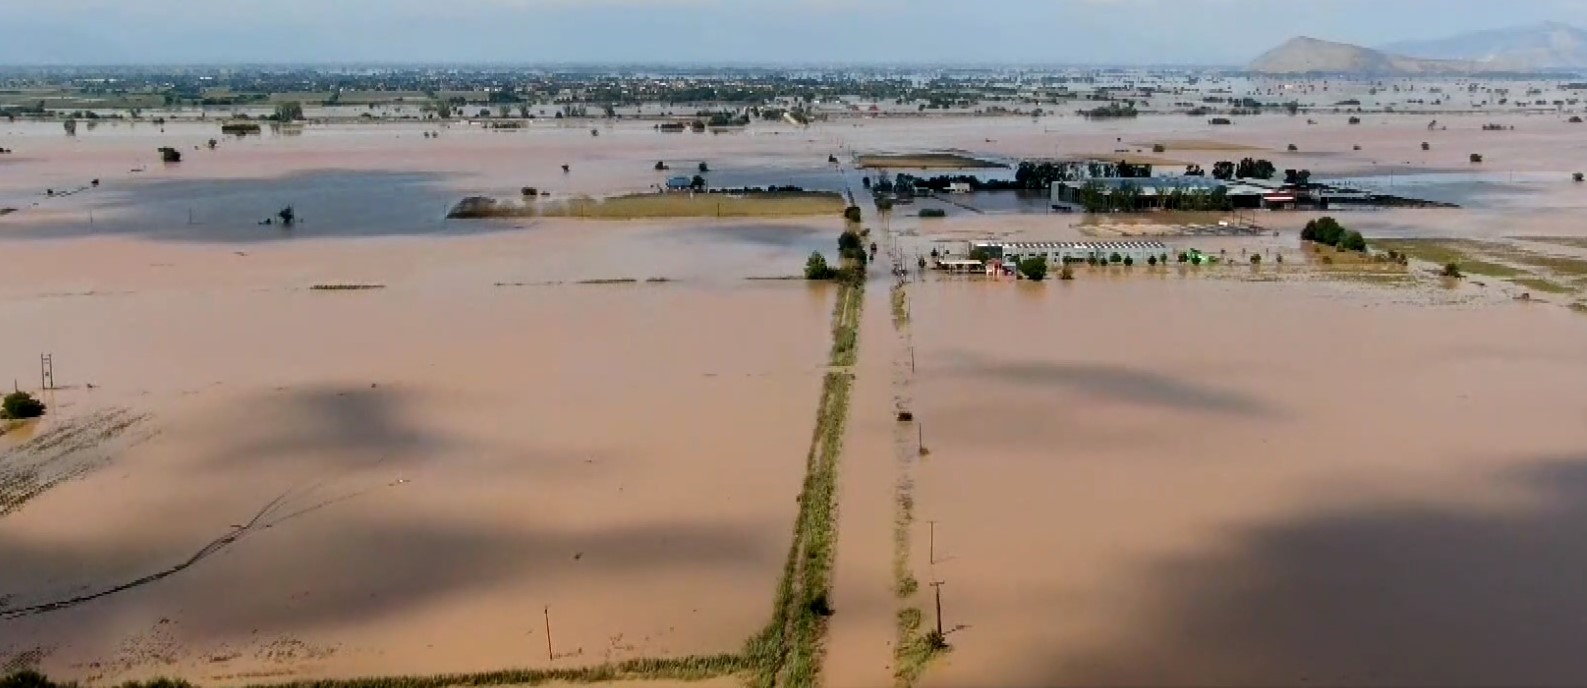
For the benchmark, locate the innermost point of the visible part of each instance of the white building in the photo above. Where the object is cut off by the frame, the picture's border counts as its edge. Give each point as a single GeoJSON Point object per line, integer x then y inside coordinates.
{"type": "Point", "coordinates": [1058, 252]}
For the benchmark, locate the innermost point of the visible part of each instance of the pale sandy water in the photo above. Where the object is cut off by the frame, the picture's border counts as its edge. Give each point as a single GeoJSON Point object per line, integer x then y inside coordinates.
{"type": "Point", "coordinates": [500, 396]}
{"type": "Point", "coordinates": [1155, 482]}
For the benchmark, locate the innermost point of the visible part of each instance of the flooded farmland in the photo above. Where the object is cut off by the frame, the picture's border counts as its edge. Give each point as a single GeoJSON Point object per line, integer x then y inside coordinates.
{"type": "Point", "coordinates": [419, 444]}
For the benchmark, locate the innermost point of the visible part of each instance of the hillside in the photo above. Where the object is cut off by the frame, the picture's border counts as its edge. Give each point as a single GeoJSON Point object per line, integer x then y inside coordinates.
{"type": "Point", "coordinates": [1303, 55]}
{"type": "Point", "coordinates": [1550, 45]}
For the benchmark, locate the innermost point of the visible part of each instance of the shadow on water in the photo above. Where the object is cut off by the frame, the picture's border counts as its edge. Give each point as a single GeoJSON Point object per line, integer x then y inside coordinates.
{"type": "Point", "coordinates": [1392, 594]}
{"type": "Point", "coordinates": [1119, 383]}
{"type": "Point", "coordinates": [803, 238]}
{"type": "Point", "coordinates": [328, 204]}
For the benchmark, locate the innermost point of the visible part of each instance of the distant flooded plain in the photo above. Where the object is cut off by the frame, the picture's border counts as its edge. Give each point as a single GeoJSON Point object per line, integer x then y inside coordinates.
{"type": "Point", "coordinates": [493, 427]}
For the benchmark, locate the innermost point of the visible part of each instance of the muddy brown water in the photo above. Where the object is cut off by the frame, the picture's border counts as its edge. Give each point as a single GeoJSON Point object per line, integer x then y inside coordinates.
{"type": "Point", "coordinates": [1136, 480]}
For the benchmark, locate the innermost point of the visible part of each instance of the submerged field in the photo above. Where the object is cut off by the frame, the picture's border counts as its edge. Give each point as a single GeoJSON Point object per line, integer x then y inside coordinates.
{"type": "Point", "coordinates": [425, 456]}
{"type": "Point", "coordinates": [379, 442]}
{"type": "Point", "coordinates": [1194, 482]}
{"type": "Point", "coordinates": [668, 205]}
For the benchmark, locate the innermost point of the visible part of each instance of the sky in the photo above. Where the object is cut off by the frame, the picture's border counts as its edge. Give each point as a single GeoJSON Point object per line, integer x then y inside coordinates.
{"type": "Point", "coordinates": [1209, 32]}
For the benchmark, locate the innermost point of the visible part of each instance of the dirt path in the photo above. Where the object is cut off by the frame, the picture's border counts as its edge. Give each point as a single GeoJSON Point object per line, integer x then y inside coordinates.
{"type": "Point", "coordinates": [860, 647]}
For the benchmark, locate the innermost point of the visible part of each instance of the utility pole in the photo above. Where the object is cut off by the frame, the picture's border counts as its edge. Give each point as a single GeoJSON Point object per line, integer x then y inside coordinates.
{"type": "Point", "coordinates": [938, 586]}
{"type": "Point", "coordinates": [551, 657]}
{"type": "Point", "coordinates": [932, 547]}
{"type": "Point", "coordinates": [46, 371]}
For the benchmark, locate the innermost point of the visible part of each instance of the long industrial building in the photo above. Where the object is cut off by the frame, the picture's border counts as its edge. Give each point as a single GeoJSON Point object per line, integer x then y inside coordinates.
{"type": "Point", "coordinates": [1058, 252]}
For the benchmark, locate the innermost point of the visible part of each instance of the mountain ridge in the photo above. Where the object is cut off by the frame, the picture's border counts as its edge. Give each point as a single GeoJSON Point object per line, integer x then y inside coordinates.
{"type": "Point", "coordinates": [1545, 45]}
{"type": "Point", "coordinates": [1307, 55]}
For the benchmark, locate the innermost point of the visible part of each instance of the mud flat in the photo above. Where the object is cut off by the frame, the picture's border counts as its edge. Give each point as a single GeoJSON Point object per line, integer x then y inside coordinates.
{"type": "Point", "coordinates": [1183, 482]}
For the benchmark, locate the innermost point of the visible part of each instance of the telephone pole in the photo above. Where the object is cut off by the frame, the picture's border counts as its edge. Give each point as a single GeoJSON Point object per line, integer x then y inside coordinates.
{"type": "Point", "coordinates": [46, 372]}
{"type": "Point", "coordinates": [937, 585]}
{"type": "Point", "coordinates": [549, 656]}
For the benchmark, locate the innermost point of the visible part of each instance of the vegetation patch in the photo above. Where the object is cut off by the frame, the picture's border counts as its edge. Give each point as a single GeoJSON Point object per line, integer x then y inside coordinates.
{"type": "Point", "coordinates": [1542, 285]}
{"type": "Point", "coordinates": [1450, 251]}
{"type": "Point", "coordinates": [346, 287]}
{"type": "Point", "coordinates": [923, 161]}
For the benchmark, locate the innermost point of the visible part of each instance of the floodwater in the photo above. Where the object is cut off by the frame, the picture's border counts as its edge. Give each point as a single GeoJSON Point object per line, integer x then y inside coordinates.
{"type": "Point", "coordinates": [1135, 480]}
{"type": "Point", "coordinates": [415, 472]}
{"type": "Point", "coordinates": [1187, 482]}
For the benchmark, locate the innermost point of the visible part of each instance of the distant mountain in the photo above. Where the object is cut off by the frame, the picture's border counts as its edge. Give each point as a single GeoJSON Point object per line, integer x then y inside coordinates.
{"type": "Point", "coordinates": [1550, 45]}
{"type": "Point", "coordinates": [1303, 55]}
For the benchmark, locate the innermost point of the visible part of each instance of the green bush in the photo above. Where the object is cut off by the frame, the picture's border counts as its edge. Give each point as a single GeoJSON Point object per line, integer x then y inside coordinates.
{"type": "Point", "coordinates": [852, 213]}
{"type": "Point", "coordinates": [21, 406]}
{"type": "Point", "coordinates": [1034, 268]}
{"type": "Point", "coordinates": [1129, 261]}
{"type": "Point", "coordinates": [1452, 270]}
{"type": "Point", "coordinates": [816, 267]}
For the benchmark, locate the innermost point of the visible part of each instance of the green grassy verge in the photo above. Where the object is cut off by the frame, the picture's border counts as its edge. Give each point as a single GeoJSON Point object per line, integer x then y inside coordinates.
{"type": "Point", "coordinates": [1542, 285]}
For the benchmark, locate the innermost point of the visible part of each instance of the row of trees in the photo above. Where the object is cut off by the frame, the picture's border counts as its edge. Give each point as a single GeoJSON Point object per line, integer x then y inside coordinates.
{"type": "Point", "coordinates": [1097, 198]}
{"type": "Point", "coordinates": [851, 249]}
{"type": "Point", "coordinates": [1248, 168]}
{"type": "Point", "coordinates": [1326, 230]}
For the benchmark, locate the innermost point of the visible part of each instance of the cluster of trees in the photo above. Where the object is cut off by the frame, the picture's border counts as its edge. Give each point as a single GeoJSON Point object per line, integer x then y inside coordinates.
{"type": "Point", "coordinates": [287, 112]}
{"type": "Point", "coordinates": [1297, 177]}
{"type": "Point", "coordinates": [851, 248]}
{"type": "Point", "coordinates": [1326, 230]}
{"type": "Point", "coordinates": [1111, 110]}
{"type": "Point", "coordinates": [1248, 168]}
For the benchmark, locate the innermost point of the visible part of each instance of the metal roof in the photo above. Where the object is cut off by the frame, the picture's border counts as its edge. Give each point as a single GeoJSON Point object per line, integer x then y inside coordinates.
{"type": "Point", "coordinates": [1073, 245]}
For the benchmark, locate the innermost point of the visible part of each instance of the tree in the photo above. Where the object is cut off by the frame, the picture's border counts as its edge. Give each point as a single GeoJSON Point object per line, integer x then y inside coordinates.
{"type": "Point", "coordinates": [168, 154]}
{"type": "Point", "coordinates": [852, 213]}
{"type": "Point", "coordinates": [1427, 146]}
{"type": "Point", "coordinates": [1256, 259]}
{"type": "Point", "coordinates": [1129, 261]}
{"type": "Point", "coordinates": [661, 166]}
{"type": "Point", "coordinates": [704, 168]}
{"type": "Point", "coordinates": [20, 406]}
{"type": "Point", "coordinates": [1115, 258]}
{"type": "Point", "coordinates": [1353, 241]}
{"type": "Point", "coordinates": [288, 112]}
{"type": "Point", "coordinates": [1223, 169]}
{"type": "Point", "coordinates": [1355, 120]}
{"type": "Point", "coordinates": [1476, 158]}
{"type": "Point", "coordinates": [849, 242]}
{"type": "Point", "coordinates": [1578, 177]}
{"type": "Point", "coordinates": [1033, 268]}
{"type": "Point", "coordinates": [1293, 148]}
{"type": "Point", "coordinates": [816, 267]}
{"type": "Point", "coordinates": [1184, 257]}
{"type": "Point", "coordinates": [1452, 270]}
{"type": "Point", "coordinates": [1151, 261]}
{"type": "Point", "coordinates": [71, 127]}
{"type": "Point", "coordinates": [698, 183]}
